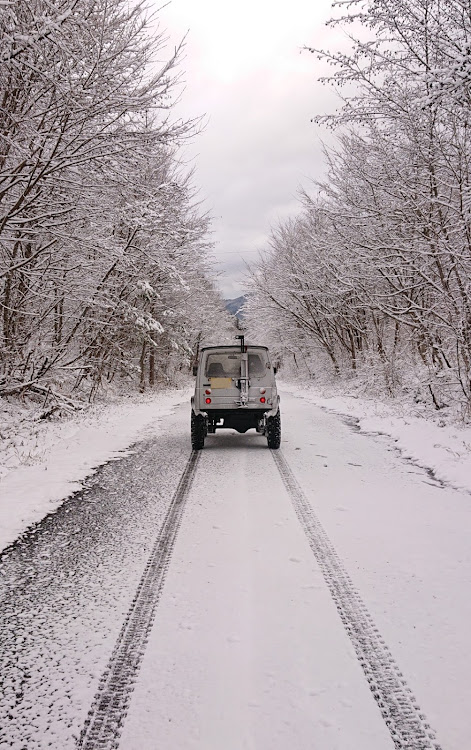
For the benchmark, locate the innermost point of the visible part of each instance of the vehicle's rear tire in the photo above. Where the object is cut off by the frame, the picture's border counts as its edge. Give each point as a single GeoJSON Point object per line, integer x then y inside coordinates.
{"type": "Point", "coordinates": [273, 430]}
{"type": "Point", "coordinates": [198, 431]}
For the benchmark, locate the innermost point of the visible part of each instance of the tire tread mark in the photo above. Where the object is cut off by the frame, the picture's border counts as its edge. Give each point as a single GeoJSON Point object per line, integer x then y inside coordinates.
{"type": "Point", "coordinates": [405, 721]}
{"type": "Point", "coordinates": [104, 723]}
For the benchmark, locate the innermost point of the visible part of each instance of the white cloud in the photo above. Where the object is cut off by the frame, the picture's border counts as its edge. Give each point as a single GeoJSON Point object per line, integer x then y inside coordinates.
{"type": "Point", "coordinates": [245, 71]}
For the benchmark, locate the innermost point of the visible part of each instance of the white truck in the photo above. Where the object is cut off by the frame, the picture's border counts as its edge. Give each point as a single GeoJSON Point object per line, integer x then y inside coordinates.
{"type": "Point", "coordinates": [235, 388]}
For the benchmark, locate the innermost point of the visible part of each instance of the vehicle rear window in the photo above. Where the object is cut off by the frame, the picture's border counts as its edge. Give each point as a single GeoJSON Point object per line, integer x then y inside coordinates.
{"type": "Point", "coordinates": [227, 365]}
{"type": "Point", "coordinates": [220, 365]}
{"type": "Point", "coordinates": [256, 365]}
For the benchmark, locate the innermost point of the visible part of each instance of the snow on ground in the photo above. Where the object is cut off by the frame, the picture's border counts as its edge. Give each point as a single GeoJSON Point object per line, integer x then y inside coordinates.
{"type": "Point", "coordinates": [247, 648]}
{"type": "Point", "coordinates": [404, 539]}
{"type": "Point", "coordinates": [42, 463]}
{"type": "Point", "coordinates": [442, 448]}
{"type": "Point", "coordinates": [247, 651]}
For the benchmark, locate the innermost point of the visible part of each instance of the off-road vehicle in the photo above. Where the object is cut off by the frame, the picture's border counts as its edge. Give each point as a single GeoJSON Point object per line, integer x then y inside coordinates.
{"type": "Point", "coordinates": [235, 388]}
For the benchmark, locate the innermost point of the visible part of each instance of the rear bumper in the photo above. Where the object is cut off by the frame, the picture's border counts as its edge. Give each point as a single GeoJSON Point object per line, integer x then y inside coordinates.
{"type": "Point", "coordinates": [244, 413]}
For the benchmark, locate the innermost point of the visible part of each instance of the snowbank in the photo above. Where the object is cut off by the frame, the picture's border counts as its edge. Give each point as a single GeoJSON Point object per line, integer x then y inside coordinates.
{"type": "Point", "coordinates": [41, 463]}
{"type": "Point", "coordinates": [442, 448]}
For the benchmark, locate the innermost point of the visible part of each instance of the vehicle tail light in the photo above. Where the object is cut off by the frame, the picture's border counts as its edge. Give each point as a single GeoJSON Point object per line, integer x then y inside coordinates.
{"type": "Point", "coordinates": [262, 400]}
{"type": "Point", "coordinates": [208, 400]}
{"type": "Point", "coordinates": [208, 391]}
{"type": "Point", "coordinates": [263, 390]}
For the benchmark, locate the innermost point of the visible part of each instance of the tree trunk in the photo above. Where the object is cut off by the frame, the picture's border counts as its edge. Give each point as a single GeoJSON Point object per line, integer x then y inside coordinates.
{"type": "Point", "coordinates": [142, 366]}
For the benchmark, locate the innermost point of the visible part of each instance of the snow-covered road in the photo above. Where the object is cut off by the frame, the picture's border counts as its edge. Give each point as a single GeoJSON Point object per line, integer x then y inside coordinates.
{"type": "Point", "coordinates": [259, 638]}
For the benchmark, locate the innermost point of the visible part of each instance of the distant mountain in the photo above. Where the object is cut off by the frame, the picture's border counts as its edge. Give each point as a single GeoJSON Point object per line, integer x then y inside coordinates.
{"type": "Point", "coordinates": [234, 306]}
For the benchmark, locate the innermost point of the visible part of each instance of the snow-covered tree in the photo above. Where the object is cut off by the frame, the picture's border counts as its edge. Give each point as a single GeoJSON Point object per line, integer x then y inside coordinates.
{"type": "Point", "coordinates": [101, 239]}
{"type": "Point", "coordinates": [388, 263]}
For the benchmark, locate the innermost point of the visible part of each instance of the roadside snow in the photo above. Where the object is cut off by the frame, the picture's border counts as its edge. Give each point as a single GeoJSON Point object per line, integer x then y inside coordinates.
{"type": "Point", "coordinates": [443, 449]}
{"type": "Point", "coordinates": [43, 463]}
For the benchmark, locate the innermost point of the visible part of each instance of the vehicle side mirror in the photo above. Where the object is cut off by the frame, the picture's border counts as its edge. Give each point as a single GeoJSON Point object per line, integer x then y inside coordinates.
{"type": "Point", "coordinates": [195, 369]}
{"type": "Point", "coordinates": [275, 370]}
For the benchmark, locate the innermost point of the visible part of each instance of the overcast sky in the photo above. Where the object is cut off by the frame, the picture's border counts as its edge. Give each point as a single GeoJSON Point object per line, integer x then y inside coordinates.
{"type": "Point", "coordinates": [245, 71]}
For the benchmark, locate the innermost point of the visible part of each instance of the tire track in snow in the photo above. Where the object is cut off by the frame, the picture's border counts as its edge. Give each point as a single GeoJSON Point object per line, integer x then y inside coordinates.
{"type": "Point", "coordinates": [102, 728]}
{"type": "Point", "coordinates": [405, 721]}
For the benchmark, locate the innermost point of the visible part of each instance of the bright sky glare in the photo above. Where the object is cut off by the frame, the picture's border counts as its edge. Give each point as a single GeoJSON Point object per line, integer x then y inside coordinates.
{"type": "Point", "coordinates": [245, 71]}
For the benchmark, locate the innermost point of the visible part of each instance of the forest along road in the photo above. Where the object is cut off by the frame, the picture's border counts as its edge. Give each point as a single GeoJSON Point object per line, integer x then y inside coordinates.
{"type": "Point", "coordinates": [312, 597]}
